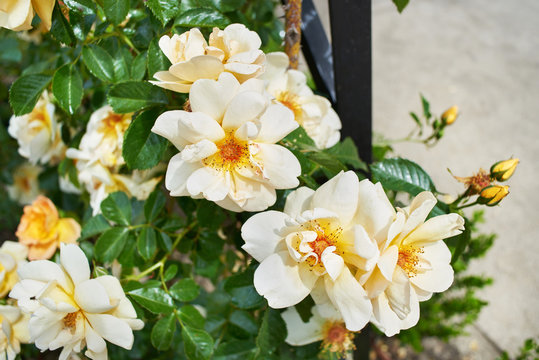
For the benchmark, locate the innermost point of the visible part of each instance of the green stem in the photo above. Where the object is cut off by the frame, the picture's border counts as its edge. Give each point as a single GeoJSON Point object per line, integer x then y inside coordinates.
{"type": "Point", "coordinates": [160, 264]}
{"type": "Point", "coordinates": [468, 205]}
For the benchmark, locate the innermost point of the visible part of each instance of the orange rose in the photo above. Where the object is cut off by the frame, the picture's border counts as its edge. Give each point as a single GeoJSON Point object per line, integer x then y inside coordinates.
{"type": "Point", "coordinates": [42, 230]}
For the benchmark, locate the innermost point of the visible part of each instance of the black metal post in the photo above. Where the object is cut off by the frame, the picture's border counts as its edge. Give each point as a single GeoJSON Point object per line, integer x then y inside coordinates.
{"type": "Point", "coordinates": [352, 62]}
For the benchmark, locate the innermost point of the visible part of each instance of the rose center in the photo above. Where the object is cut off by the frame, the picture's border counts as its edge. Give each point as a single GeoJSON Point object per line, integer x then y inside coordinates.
{"type": "Point", "coordinates": [70, 321]}
{"type": "Point", "coordinates": [409, 259]}
{"type": "Point", "coordinates": [337, 338]}
{"type": "Point", "coordinates": [291, 101]}
{"type": "Point", "coordinates": [114, 124]}
{"type": "Point", "coordinates": [232, 154]}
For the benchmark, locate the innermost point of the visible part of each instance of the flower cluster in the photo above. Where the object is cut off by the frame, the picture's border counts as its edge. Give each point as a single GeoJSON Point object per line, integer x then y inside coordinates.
{"type": "Point", "coordinates": [71, 311]}
{"type": "Point", "coordinates": [345, 245]}
{"type": "Point", "coordinates": [237, 113]}
{"type": "Point", "coordinates": [99, 159]}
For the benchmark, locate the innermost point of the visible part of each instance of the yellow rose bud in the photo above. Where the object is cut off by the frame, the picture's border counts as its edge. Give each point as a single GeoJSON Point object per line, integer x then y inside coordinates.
{"type": "Point", "coordinates": [450, 115]}
{"type": "Point", "coordinates": [492, 195]}
{"type": "Point", "coordinates": [503, 170]}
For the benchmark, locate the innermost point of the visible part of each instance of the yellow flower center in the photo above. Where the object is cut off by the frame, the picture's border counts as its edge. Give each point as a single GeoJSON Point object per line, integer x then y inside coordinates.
{"type": "Point", "coordinates": [40, 115]}
{"type": "Point", "coordinates": [70, 321]}
{"type": "Point", "coordinates": [337, 338]}
{"type": "Point", "coordinates": [409, 259]}
{"type": "Point", "coordinates": [232, 154]}
{"type": "Point", "coordinates": [327, 234]}
{"type": "Point", "coordinates": [114, 124]}
{"type": "Point", "coordinates": [291, 101]}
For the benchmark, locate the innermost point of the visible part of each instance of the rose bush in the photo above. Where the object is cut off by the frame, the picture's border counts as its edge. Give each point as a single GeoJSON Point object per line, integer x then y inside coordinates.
{"type": "Point", "coordinates": [182, 181]}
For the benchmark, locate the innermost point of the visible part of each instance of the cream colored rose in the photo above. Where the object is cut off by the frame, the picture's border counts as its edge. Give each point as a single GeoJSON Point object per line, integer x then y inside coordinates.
{"type": "Point", "coordinates": [13, 332]}
{"type": "Point", "coordinates": [25, 188]}
{"type": "Point", "coordinates": [413, 261]}
{"type": "Point", "coordinates": [104, 136]}
{"type": "Point", "coordinates": [235, 49]}
{"type": "Point", "coordinates": [12, 255]}
{"type": "Point", "coordinates": [228, 151]}
{"type": "Point", "coordinates": [313, 112]}
{"type": "Point", "coordinates": [71, 311]}
{"type": "Point", "coordinates": [18, 14]}
{"type": "Point", "coordinates": [314, 247]}
{"type": "Point", "coordinates": [38, 133]}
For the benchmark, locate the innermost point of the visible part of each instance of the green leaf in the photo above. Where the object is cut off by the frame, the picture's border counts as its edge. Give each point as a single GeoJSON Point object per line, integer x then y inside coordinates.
{"type": "Point", "coordinates": [189, 315]}
{"type": "Point", "coordinates": [138, 68]}
{"type": "Point", "coordinates": [110, 244]}
{"type": "Point", "coordinates": [61, 29]}
{"type": "Point", "coordinates": [272, 332]}
{"type": "Point", "coordinates": [210, 215]}
{"type": "Point", "coordinates": [327, 162]}
{"type": "Point", "coordinates": [164, 10]}
{"type": "Point", "coordinates": [116, 207]}
{"type": "Point", "coordinates": [228, 5]}
{"type": "Point", "coordinates": [243, 293]}
{"type": "Point", "coordinates": [163, 332]}
{"type": "Point", "coordinates": [202, 17]}
{"type": "Point", "coordinates": [25, 92]}
{"type": "Point", "coordinates": [96, 225]}
{"type": "Point", "coordinates": [146, 243]}
{"type": "Point", "coordinates": [244, 325]}
{"type": "Point", "coordinates": [400, 4]}
{"type": "Point", "coordinates": [402, 175]}
{"type": "Point", "coordinates": [156, 300]}
{"type": "Point", "coordinates": [116, 10]}
{"type": "Point", "coordinates": [426, 107]}
{"type": "Point", "coordinates": [86, 7]}
{"type": "Point", "coordinates": [157, 61]}
{"type": "Point", "coordinates": [197, 343]}
{"type": "Point", "coordinates": [299, 139]}
{"type": "Point", "coordinates": [142, 149]}
{"type": "Point", "coordinates": [154, 205]}
{"type": "Point", "coordinates": [67, 87]}
{"type": "Point", "coordinates": [133, 96]}
{"type": "Point", "coordinates": [234, 350]}
{"type": "Point", "coordinates": [346, 152]}
{"type": "Point", "coordinates": [170, 272]}
{"type": "Point", "coordinates": [122, 61]}
{"type": "Point", "coordinates": [99, 62]}
{"type": "Point", "coordinates": [185, 290]}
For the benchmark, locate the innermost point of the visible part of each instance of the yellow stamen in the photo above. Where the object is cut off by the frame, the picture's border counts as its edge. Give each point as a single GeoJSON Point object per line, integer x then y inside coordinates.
{"type": "Point", "coordinates": [232, 154]}
{"type": "Point", "coordinates": [337, 338]}
{"type": "Point", "coordinates": [409, 259]}
{"type": "Point", "coordinates": [291, 101]}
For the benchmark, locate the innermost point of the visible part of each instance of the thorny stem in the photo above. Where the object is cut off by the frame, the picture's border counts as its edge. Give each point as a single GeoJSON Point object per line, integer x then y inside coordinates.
{"type": "Point", "coordinates": [292, 31]}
